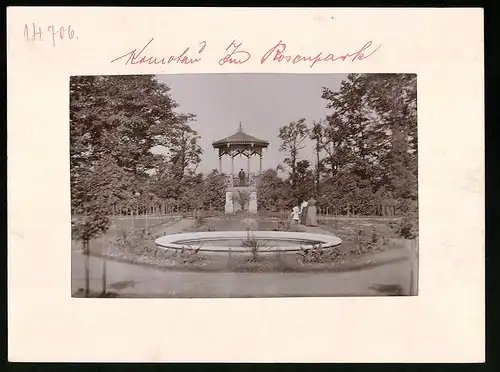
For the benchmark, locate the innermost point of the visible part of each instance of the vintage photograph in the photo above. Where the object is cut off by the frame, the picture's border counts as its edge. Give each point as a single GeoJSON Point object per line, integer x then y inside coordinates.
{"type": "Point", "coordinates": [244, 185]}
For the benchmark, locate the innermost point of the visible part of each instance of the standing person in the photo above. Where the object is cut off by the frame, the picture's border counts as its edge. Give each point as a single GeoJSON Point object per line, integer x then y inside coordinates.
{"type": "Point", "coordinates": [303, 212]}
{"type": "Point", "coordinates": [295, 215]}
{"type": "Point", "coordinates": [312, 219]}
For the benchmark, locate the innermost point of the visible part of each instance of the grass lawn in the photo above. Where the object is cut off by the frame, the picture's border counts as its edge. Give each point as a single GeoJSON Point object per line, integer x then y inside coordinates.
{"type": "Point", "coordinates": [121, 227]}
{"type": "Point", "coordinates": [367, 226]}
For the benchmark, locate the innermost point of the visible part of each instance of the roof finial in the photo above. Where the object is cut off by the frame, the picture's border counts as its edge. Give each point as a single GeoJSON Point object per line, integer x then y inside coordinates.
{"type": "Point", "coordinates": [240, 129]}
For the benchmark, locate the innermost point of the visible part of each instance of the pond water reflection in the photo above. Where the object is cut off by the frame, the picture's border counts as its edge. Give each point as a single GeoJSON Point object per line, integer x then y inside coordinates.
{"type": "Point", "coordinates": [234, 243]}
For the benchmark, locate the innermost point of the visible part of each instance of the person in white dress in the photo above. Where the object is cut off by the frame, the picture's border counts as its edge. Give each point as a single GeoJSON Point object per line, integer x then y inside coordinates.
{"type": "Point", "coordinates": [295, 215]}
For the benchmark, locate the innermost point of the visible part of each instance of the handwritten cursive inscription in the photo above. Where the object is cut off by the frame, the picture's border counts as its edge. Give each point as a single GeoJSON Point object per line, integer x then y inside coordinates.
{"type": "Point", "coordinates": [278, 54]}
{"type": "Point", "coordinates": [139, 57]}
{"type": "Point", "coordinates": [35, 33]}
{"type": "Point", "coordinates": [234, 56]}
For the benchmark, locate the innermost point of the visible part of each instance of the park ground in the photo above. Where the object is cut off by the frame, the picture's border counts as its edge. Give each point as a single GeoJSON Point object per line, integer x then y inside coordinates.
{"type": "Point", "coordinates": [382, 273]}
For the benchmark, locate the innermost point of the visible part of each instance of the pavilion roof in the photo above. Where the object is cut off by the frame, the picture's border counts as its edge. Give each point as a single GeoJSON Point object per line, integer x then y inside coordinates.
{"type": "Point", "coordinates": [240, 138]}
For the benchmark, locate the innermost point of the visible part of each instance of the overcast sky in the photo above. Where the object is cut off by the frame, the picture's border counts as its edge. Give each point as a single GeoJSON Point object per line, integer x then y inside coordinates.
{"type": "Point", "coordinates": [262, 102]}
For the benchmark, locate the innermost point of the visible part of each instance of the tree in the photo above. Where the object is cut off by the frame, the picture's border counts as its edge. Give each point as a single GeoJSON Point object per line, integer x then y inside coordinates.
{"type": "Point", "coordinates": [184, 150]}
{"type": "Point", "coordinates": [191, 192]}
{"type": "Point", "coordinates": [125, 118]}
{"type": "Point", "coordinates": [121, 116]}
{"type": "Point", "coordinates": [352, 127]}
{"type": "Point", "coordinates": [164, 184]}
{"type": "Point", "coordinates": [214, 190]}
{"type": "Point", "coordinates": [115, 122]}
{"type": "Point", "coordinates": [372, 134]}
{"type": "Point", "coordinates": [274, 193]}
{"type": "Point", "coordinates": [94, 190]}
{"type": "Point", "coordinates": [333, 135]}
{"type": "Point", "coordinates": [292, 138]}
{"type": "Point", "coordinates": [316, 134]}
{"type": "Point", "coordinates": [304, 181]}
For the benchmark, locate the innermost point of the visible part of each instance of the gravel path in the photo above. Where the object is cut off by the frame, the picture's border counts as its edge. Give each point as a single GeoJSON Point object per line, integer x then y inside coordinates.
{"type": "Point", "coordinates": [138, 281]}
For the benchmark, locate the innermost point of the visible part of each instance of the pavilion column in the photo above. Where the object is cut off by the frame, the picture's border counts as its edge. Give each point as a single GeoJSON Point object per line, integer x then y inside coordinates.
{"type": "Point", "coordinates": [248, 166]}
{"type": "Point", "coordinates": [220, 164]}
{"type": "Point", "coordinates": [260, 164]}
{"type": "Point", "coordinates": [232, 166]}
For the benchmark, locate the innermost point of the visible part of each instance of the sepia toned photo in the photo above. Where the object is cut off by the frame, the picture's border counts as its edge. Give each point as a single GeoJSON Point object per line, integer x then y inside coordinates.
{"type": "Point", "coordinates": [253, 176]}
{"type": "Point", "coordinates": [244, 185]}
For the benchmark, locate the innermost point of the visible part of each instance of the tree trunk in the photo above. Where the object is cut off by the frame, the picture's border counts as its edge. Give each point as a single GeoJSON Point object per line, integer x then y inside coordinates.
{"type": "Point", "coordinates": [318, 150]}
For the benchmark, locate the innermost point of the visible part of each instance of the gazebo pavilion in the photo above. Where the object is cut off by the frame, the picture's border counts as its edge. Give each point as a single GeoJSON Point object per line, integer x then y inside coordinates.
{"type": "Point", "coordinates": [240, 144]}
{"type": "Point", "coordinates": [243, 144]}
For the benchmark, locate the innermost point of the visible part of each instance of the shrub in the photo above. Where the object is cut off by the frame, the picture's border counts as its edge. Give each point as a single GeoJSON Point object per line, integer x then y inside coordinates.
{"type": "Point", "coordinates": [189, 255]}
{"type": "Point", "coordinates": [407, 228]}
{"type": "Point", "coordinates": [317, 254]}
{"type": "Point", "coordinates": [254, 245]}
{"type": "Point", "coordinates": [138, 242]}
{"type": "Point", "coordinates": [199, 218]}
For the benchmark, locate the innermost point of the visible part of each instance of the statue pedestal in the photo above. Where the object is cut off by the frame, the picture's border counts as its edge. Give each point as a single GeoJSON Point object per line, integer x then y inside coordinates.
{"type": "Point", "coordinates": [233, 200]}
{"type": "Point", "coordinates": [229, 207]}
{"type": "Point", "coordinates": [252, 204]}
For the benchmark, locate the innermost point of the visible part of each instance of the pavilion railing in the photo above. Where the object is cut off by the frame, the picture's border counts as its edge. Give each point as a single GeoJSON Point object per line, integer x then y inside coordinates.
{"type": "Point", "coordinates": [250, 180]}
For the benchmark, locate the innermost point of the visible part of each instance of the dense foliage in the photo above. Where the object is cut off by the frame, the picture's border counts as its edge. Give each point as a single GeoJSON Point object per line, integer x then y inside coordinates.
{"type": "Point", "coordinates": [365, 152]}
{"type": "Point", "coordinates": [115, 124]}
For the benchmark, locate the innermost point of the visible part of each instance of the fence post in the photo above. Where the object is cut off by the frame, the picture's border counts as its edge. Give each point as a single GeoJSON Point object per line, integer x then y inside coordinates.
{"type": "Point", "coordinates": [87, 267]}
{"type": "Point", "coordinates": [104, 275]}
{"type": "Point", "coordinates": [412, 247]}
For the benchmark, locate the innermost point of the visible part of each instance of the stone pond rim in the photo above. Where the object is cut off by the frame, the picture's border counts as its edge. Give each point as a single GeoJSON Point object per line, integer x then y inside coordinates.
{"type": "Point", "coordinates": [296, 240]}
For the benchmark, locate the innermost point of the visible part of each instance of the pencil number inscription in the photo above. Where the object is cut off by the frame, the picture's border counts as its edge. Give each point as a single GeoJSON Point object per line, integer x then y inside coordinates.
{"type": "Point", "coordinates": [51, 33]}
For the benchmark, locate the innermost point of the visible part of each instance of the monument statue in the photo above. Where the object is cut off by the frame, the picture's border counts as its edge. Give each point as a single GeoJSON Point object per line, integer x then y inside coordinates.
{"type": "Point", "coordinates": [242, 175]}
